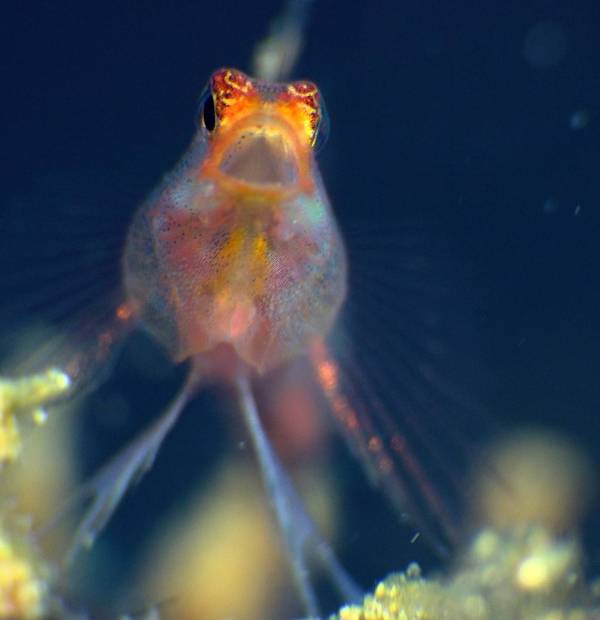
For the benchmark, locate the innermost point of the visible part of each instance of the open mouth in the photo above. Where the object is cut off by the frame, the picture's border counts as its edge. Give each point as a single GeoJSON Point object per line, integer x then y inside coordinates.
{"type": "Point", "coordinates": [261, 157]}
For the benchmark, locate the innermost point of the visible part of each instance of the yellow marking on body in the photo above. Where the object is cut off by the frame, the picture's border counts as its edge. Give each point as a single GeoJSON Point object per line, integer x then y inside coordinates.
{"type": "Point", "coordinates": [234, 251]}
{"type": "Point", "coordinates": [234, 300]}
{"type": "Point", "coordinates": [233, 246]}
{"type": "Point", "coordinates": [260, 262]}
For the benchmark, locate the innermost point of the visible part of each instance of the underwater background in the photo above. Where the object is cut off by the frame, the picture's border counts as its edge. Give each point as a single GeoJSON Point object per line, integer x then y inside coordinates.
{"type": "Point", "coordinates": [477, 124]}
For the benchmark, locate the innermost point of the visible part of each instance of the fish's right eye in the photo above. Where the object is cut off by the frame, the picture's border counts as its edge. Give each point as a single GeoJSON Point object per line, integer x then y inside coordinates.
{"type": "Point", "coordinates": [209, 116]}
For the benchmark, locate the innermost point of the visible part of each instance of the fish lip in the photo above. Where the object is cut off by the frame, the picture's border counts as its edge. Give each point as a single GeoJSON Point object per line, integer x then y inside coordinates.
{"type": "Point", "coordinates": [295, 172]}
{"type": "Point", "coordinates": [261, 156]}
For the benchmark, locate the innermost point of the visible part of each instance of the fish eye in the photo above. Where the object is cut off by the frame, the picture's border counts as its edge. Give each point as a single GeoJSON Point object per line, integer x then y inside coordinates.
{"type": "Point", "coordinates": [208, 113]}
{"type": "Point", "coordinates": [322, 133]}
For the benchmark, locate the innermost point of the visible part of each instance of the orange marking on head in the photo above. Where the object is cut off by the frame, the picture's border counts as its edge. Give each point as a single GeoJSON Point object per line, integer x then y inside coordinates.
{"type": "Point", "coordinates": [303, 100]}
{"type": "Point", "coordinates": [234, 94]}
{"type": "Point", "coordinates": [247, 107]}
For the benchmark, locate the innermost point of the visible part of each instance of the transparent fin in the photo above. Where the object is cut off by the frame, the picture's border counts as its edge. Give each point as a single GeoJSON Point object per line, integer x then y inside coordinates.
{"type": "Point", "coordinates": [301, 538]}
{"type": "Point", "coordinates": [85, 349]}
{"type": "Point", "coordinates": [403, 382]}
{"type": "Point", "coordinates": [387, 459]}
{"type": "Point", "coordinates": [63, 305]}
{"type": "Point", "coordinates": [106, 489]}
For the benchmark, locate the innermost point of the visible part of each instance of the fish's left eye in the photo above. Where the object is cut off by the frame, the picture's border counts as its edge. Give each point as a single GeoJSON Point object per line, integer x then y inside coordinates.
{"type": "Point", "coordinates": [208, 113]}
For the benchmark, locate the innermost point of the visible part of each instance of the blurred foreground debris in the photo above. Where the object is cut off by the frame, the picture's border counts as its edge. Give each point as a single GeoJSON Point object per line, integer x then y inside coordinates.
{"type": "Point", "coordinates": [524, 561]}
{"type": "Point", "coordinates": [24, 579]}
{"type": "Point", "coordinates": [219, 556]}
{"type": "Point", "coordinates": [26, 395]}
{"type": "Point", "coordinates": [515, 574]}
{"type": "Point", "coordinates": [533, 476]}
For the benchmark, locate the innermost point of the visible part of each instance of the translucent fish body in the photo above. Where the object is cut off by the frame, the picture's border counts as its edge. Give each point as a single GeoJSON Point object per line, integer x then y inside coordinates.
{"type": "Point", "coordinates": [239, 246]}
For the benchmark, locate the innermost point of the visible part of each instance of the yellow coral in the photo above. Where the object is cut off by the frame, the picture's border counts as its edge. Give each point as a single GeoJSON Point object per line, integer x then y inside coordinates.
{"type": "Point", "coordinates": [27, 394]}
{"type": "Point", "coordinates": [406, 596]}
{"type": "Point", "coordinates": [22, 585]}
{"type": "Point", "coordinates": [523, 573]}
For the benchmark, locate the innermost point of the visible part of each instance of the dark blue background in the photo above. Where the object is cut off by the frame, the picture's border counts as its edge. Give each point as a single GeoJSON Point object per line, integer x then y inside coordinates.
{"type": "Point", "coordinates": [458, 114]}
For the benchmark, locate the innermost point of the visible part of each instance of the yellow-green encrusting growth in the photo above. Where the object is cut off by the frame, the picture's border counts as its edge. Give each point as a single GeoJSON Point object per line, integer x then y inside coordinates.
{"type": "Point", "coordinates": [24, 576]}
{"type": "Point", "coordinates": [518, 574]}
{"type": "Point", "coordinates": [405, 596]}
{"type": "Point", "coordinates": [27, 396]}
{"type": "Point", "coordinates": [23, 580]}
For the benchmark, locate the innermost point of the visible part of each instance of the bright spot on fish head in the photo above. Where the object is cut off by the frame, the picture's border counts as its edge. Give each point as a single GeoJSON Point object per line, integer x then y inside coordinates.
{"type": "Point", "coordinates": [261, 135]}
